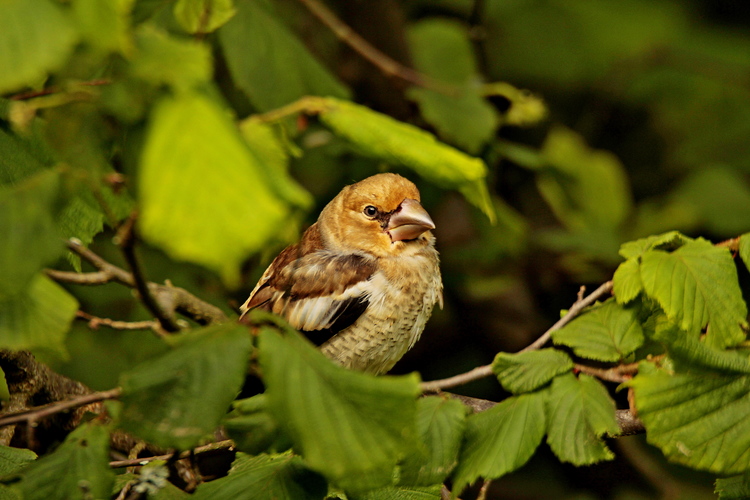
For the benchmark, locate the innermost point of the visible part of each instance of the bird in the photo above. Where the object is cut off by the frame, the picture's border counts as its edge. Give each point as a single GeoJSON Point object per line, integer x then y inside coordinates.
{"type": "Point", "coordinates": [363, 279]}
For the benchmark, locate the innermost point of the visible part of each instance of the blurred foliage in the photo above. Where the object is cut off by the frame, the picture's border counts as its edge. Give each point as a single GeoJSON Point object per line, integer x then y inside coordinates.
{"type": "Point", "coordinates": [196, 113]}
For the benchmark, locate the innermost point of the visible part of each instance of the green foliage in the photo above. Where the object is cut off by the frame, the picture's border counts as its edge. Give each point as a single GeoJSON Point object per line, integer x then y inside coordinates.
{"type": "Point", "coordinates": [176, 399]}
{"type": "Point", "coordinates": [697, 419]}
{"type": "Point", "coordinates": [501, 439]}
{"type": "Point", "coordinates": [79, 468]}
{"type": "Point", "coordinates": [121, 106]}
{"type": "Point", "coordinates": [607, 332]}
{"type": "Point", "coordinates": [528, 371]}
{"type": "Point", "coordinates": [364, 425]}
{"type": "Point", "coordinates": [272, 477]}
{"type": "Point", "coordinates": [580, 413]}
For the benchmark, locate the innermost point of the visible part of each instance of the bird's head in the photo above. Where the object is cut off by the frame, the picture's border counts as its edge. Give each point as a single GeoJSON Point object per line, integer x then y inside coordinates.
{"type": "Point", "coordinates": [380, 215]}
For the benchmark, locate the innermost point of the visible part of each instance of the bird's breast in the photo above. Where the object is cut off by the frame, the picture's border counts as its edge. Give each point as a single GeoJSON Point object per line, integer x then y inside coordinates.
{"type": "Point", "coordinates": [402, 295]}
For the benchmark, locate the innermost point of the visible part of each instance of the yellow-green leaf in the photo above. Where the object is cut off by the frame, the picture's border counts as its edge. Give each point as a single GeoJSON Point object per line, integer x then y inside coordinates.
{"type": "Point", "coordinates": [203, 16]}
{"type": "Point", "coordinates": [204, 197]}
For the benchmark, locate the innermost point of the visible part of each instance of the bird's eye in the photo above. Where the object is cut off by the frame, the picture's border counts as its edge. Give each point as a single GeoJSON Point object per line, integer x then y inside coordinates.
{"type": "Point", "coordinates": [370, 211]}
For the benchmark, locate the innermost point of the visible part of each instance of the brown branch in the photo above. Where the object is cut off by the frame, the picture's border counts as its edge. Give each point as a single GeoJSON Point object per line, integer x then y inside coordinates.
{"type": "Point", "coordinates": [54, 89]}
{"type": "Point", "coordinates": [170, 297]}
{"type": "Point", "coordinates": [227, 444]}
{"type": "Point", "coordinates": [126, 239]}
{"type": "Point", "coordinates": [40, 412]}
{"type": "Point", "coordinates": [608, 374]}
{"type": "Point", "coordinates": [95, 322]}
{"type": "Point", "coordinates": [485, 371]}
{"type": "Point", "coordinates": [383, 62]}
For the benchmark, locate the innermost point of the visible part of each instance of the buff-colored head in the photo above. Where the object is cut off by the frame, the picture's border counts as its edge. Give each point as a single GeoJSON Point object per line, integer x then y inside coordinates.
{"type": "Point", "coordinates": [380, 215]}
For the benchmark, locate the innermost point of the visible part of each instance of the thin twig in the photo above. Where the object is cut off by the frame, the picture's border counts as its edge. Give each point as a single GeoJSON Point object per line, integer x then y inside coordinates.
{"type": "Point", "coordinates": [483, 490]}
{"type": "Point", "coordinates": [485, 371]}
{"type": "Point", "coordinates": [227, 444]}
{"type": "Point", "coordinates": [53, 90]}
{"type": "Point", "coordinates": [575, 310]}
{"type": "Point", "coordinates": [95, 322]}
{"type": "Point", "coordinates": [608, 374]}
{"type": "Point", "coordinates": [34, 414]}
{"type": "Point", "coordinates": [171, 297]}
{"type": "Point", "coordinates": [383, 62]}
{"type": "Point", "coordinates": [126, 239]}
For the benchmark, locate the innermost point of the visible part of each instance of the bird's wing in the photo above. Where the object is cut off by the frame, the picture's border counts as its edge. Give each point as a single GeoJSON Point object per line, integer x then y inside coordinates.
{"type": "Point", "coordinates": [316, 291]}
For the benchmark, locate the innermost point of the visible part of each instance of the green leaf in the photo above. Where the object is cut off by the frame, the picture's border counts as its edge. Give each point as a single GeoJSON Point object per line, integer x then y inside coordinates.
{"type": "Point", "coordinates": [587, 189]}
{"type": "Point", "coordinates": [626, 283]}
{"type": "Point", "coordinates": [252, 428]}
{"type": "Point", "coordinates": [501, 439]}
{"type": "Point", "coordinates": [579, 413]}
{"type": "Point", "coordinates": [79, 468]}
{"type": "Point", "coordinates": [30, 236]}
{"type": "Point", "coordinates": [381, 137]}
{"type": "Point", "coordinates": [696, 285]}
{"type": "Point", "coordinates": [162, 59]}
{"type": "Point", "coordinates": [204, 197]}
{"type": "Point", "coordinates": [273, 154]}
{"type": "Point", "coordinates": [178, 398]}
{"type": "Point", "coordinates": [203, 16]}
{"type": "Point", "coordinates": [605, 332]}
{"type": "Point", "coordinates": [18, 158]}
{"type": "Point", "coordinates": [4, 391]}
{"type": "Point", "coordinates": [351, 427]}
{"type": "Point", "coordinates": [733, 488]}
{"type": "Point", "coordinates": [37, 318]}
{"type": "Point", "coordinates": [14, 459]}
{"type": "Point", "coordinates": [528, 371]}
{"type": "Point", "coordinates": [271, 477]}
{"type": "Point", "coordinates": [35, 38]}
{"type": "Point", "coordinates": [105, 25]}
{"type": "Point", "coordinates": [745, 249]}
{"type": "Point", "coordinates": [697, 419]}
{"type": "Point", "coordinates": [440, 423]}
{"type": "Point", "coordinates": [442, 50]}
{"type": "Point", "coordinates": [667, 242]}
{"type": "Point", "coordinates": [402, 493]}
{"type": "Point", "coordinates": [268, 62]}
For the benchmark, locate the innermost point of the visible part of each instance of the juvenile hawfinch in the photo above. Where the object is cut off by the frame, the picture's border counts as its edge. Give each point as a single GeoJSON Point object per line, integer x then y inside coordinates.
{"type": "Point", "coordinates": [363, 280]}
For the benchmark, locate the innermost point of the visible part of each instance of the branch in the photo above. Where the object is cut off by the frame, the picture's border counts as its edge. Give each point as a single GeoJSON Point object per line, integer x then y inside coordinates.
{"type": "Point", "coordinates": [126, 239]}
{"type": "Point", "coordinates": [95, 321]}
{"type": "Point", "coordinates": [227, 444]}
{"type": "Point", "coordinates": [383, 62]}
{"type": "Point", "coordinates": [168, 296]}
{"type": "Point", "coordinates": [485, 371]}
{"type": "Point", "coordinates": [39, 412]}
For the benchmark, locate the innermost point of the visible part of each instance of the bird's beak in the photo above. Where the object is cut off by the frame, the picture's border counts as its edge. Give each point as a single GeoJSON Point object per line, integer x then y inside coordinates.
{"type": "Point", "coordinates": [409, 221]}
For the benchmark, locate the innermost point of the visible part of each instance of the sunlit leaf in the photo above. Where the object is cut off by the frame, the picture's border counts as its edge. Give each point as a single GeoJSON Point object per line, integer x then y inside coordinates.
{"type": "Point", "coordinates": [38, 317]}
{"type": "Point", "coordinates": [78, 468]}
{"type": "Point", "coordinates": [442, 50]}
{"type": "Point", "coordinates": [204, 197]}
{"type": "Point", "coordinates": [745, 249]}
{"type": "Point", "coordinates": [203, 16]}
{"type": "Point", "coordinates": [175, 399]}
{"type": "Point", "coordinates": [163, 59]}
{"type": "Point", "coordinates": [31, 238]}
{"type": "Point", "coordinates": [440, 423]}
{"type": "Point", "coordinates": [528, 371]}
{"type": "Point", "coordinates": [696, 285]}
{"type": "Point", "coordinates": [697, 419]}
{"type": "Point", "coordinates": [667, 242]}
{"type": "Point", "coordinates": [380, 136]}
{"type": "Point", "coordinates": [265, 477]}
{"type": "Point", "coordinates": [501, 439]}
{"type": "Point", "coordinates": [35, 38]}
{"type": "Point", "coordinates": [604, 332]}
{"type": "Point", "coordinates": [14, 459]}
{"type": "Point", "coordinates": [268, 62]}
{"type": "Point", "coordinates": [105, 25]}
{"type": "Point", "coordinates": [626, 283]}
{"type": "Point", "coordinates": [579, 413]}
{"type": "Point", "coordinates": [351, 427]}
